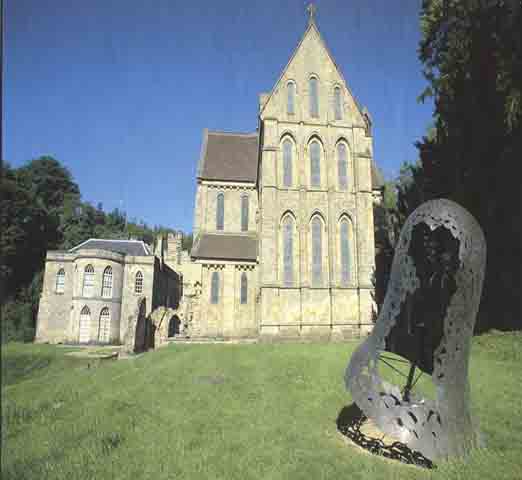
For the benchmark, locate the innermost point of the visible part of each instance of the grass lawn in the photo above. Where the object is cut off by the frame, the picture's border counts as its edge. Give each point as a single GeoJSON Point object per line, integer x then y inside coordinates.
{"type": "Point", "coordinates": [225, 412]}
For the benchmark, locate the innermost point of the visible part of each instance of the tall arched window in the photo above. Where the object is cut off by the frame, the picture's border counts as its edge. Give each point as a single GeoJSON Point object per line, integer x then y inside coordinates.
{"type": "Point", "coordinates": [315, 164]}
{"type": "Point", "coordinates": [314, 97]}
{"type": "Point", "coordinates": [107, 283]}
{"type": "Point", "coordinates": [104, 330]}
{"type": "Point", "coordinates": [342, 166]}
{"type": "Point", "coordinates": [244, 213]}
{"type": "Point", "coordinates": [244, 288]}
{"type": "Point", "coordinates": [338, 103]}
{"type": "Point", "coordinates": [287, 163]}
{"type": "Point", "coordinates": [88, 281]}
{"type": "Point", "coordinates": [214, 288]}
{"type": "Point", "coordinates": [220, 211]}
{"type": "Point", "coordinates": [290, 99]}
{"type": "Point", "coordinates": [345, 251]}
{"type": "Point", "coordinates": [288, 250]}
{"type": "Point", "coordinates": [60, 281]}
{"type": "Point", "coordinates": [85, 325]}
{"type": "Point", "coordinates": [138, 282]}
{"type": "Point", "coordinates": [317, 251]}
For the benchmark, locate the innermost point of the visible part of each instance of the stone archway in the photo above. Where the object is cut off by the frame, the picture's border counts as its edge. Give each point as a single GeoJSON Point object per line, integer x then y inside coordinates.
{"type": "Point", "coordinates": [174, 326]}
{"type": "Point", "coordinates": [141, 328]}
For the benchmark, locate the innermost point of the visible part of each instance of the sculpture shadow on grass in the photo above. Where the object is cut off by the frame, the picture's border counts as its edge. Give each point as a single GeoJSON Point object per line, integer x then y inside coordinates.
{"type": "Point", "coordinates": [350, 422]}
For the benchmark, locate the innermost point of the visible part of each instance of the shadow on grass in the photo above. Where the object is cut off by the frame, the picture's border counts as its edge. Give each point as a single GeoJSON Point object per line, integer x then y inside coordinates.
{"type": "Point", "coordinates": [18, 367]}
{"type": "Point", "coordinates": [350, 421]}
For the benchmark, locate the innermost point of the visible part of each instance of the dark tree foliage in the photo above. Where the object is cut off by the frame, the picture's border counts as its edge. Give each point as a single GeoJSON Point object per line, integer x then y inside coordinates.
{"type": "Point", "coordinates": [472, 54]}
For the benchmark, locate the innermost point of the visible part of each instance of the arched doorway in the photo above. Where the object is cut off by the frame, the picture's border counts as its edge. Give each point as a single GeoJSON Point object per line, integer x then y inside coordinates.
{"type": "Point", "coordinates": [174, 326]}
{"type": "Point", "coordinates": [85, 325]}
{"type": "Point", "coordinates": [104, 329]}
{"type": "Point", "coordinates": [139, 337]}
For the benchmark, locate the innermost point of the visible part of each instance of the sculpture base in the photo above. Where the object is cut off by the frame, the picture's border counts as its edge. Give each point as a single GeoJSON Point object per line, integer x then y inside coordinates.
{"type": "Point", "coordinates": [362, 432]}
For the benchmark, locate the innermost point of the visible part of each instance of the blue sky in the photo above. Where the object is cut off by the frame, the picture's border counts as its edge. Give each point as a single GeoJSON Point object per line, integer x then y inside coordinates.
{"type": "Point", "coordinates": [120, 91]}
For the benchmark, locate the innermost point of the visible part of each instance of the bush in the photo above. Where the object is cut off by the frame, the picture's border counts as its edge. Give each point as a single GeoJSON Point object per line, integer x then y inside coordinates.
{"type": "Point", "coordinates": [17, 321]}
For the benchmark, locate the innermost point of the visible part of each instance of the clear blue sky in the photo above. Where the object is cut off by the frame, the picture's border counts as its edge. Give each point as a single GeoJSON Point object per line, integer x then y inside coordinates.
{"type": "Point", "coordinates": [120, 91]}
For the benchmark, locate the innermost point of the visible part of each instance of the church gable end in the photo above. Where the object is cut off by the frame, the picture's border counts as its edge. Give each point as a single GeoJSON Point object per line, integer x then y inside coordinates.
{"type": "Point", "coordinates": [292, 96]}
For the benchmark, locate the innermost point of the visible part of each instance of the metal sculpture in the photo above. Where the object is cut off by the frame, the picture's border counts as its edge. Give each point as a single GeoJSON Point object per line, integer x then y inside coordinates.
{"type": "Point", "coordinates": [427, 318]}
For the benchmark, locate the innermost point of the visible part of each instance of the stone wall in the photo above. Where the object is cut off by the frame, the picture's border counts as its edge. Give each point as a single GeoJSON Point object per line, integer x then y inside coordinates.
{"type": "Point", "coordinates": [327, 309]}
{"type": "Point", "coordinates": [233, 191]}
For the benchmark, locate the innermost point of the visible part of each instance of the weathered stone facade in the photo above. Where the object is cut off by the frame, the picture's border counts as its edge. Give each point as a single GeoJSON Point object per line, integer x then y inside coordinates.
{"type": "Point", "coordinates": [283, 231]}
{"type": "Point", "coordinates": [90, 295]}
{"type": "Point", "coordinates": [327, 250]}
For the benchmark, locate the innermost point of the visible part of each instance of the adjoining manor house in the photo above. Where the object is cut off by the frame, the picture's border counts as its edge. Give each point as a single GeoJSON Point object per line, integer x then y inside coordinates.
{"type": "Point", "coordinates": [283, 230]}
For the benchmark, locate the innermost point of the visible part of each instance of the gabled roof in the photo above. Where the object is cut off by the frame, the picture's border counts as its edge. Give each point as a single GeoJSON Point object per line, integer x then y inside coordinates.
{"type": "Point", "coordinates": [225, 247]}
{"type": "Point", "coordinates": [229, 156]}
{"type": "Point", "coordinates": [125, 247]}
{"type": "Point", "coordinates": [312, 25]}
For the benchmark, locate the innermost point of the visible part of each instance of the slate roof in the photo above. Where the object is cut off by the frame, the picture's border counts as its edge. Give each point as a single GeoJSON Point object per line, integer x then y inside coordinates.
{"type": "Point", "coordinates": [225, 247]}
{"type": "Point", "coordinates": [377, 177]}
{"type": "Point", "coordinates": [126, 247]}
{"type": "Point", "coordinates": [229, 156]}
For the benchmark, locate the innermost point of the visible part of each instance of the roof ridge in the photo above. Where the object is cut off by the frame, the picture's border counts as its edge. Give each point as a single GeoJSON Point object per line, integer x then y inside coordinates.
{"type": "Point", "coordinates": [237, 134]}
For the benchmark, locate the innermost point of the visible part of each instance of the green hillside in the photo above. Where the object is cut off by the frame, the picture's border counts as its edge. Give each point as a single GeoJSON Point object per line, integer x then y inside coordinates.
{"type": "Point", "coordinates": [224, 412]}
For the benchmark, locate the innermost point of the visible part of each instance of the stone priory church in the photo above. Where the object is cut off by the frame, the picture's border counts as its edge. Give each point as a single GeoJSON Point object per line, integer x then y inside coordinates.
{"type": "Point", "coordinates": [283, 221]}
{"type": "Point", "coordinates": [283, 232]}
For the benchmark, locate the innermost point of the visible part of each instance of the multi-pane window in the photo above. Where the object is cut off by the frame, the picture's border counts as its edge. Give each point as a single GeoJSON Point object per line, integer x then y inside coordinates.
{"type": "Point", "coordinates": [214, 288]}
{"type": "Point", "coordinates": [288, 250]}
{"type": "Point", "coordinates": [317, 251]}
{"type": "Point", "coordinates": [138, 283]}
{"type": "Point", "coordinates": [244, 288]}
{"type": "Point", "coordinates": [338, 103]}
{"type": "Point", "coordinates": [315, 164]}
{"type": "Point", "coordinates": [287, 163]}
{"type": "Point", "coordinates": [220, 211]}
{"type": "Point", "coordinates": [345, 252]}
{"type": "Point", "coordinates": [314, 97]}
{"type": "Point", "coordinates": [104, 331]}
{"type": "Point", "coordinates": [88, 281]}
{"type": "Point", "coordinates": [244, 213]}
{"type": "Point", "coordinates": [85, 325]}
{"type": "Point", "coordinates": [290, 105]}
{"type": "Point", "coordinates": [107, 283]}
{"type": "Point", "coordinates": [342, 166]}
{"type": "Point", "coordinates": [60, 281]}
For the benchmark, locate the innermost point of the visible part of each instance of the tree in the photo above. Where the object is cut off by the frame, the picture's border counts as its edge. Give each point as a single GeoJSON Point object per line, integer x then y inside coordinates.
{"type": "Point", "coordinates": [472, 54]}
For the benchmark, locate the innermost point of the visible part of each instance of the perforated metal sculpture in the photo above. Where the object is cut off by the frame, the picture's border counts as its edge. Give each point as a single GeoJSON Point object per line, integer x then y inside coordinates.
{"type": "Point", "coordinates": [428, 317]}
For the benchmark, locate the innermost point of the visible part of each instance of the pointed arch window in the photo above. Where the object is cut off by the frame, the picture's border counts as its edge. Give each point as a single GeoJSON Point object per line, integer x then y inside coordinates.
{"type": "Point", "coordinates": [85, 325]}
{"type": "Point", "coordinates": [288, 250]}
{"type": "Point", "coordinates": [244, 289]}
{"type": "Point", "coordinates": [338, 103]}
{"type": "Point", "coordinates": [315, 164]}
{"type": "Point", "coordinates": [287, 163]}
{"type": "Point", "coordinates": [244, 213]}
{"type": "Point", "coordinates": [60, 281]}
{"type": "Point", "coordinates": [314, 97]}
{"type": "Point", "coordinates": [107, 283]}
{"type": "Point", "coordinates": [88, 281]}
{"type": "Point", "coordinates": [220, 211]}
{"type": "Point", "coordinates": [345, 251]}
{"type": "Point", "coordinates": [317, 251]}
{"type": "Point", "coordinates": [214, 288]}
{"type": "Point", "coordinates": [342, 166]}
{"type": "Point", "coordinates": [290, 99]}
{"type": "Point", "coordinates": [104, 330]}
{"type": "Point", "coordinates": [138, 282]}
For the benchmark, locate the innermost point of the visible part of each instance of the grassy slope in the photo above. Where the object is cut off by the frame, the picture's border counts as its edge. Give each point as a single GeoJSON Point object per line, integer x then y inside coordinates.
{"type": "Point", "coordinates": [224, 411]}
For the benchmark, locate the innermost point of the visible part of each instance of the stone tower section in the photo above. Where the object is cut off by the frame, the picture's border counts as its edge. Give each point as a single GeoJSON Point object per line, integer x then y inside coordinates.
{"type": "Point", "coordinates": [316, 213]}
